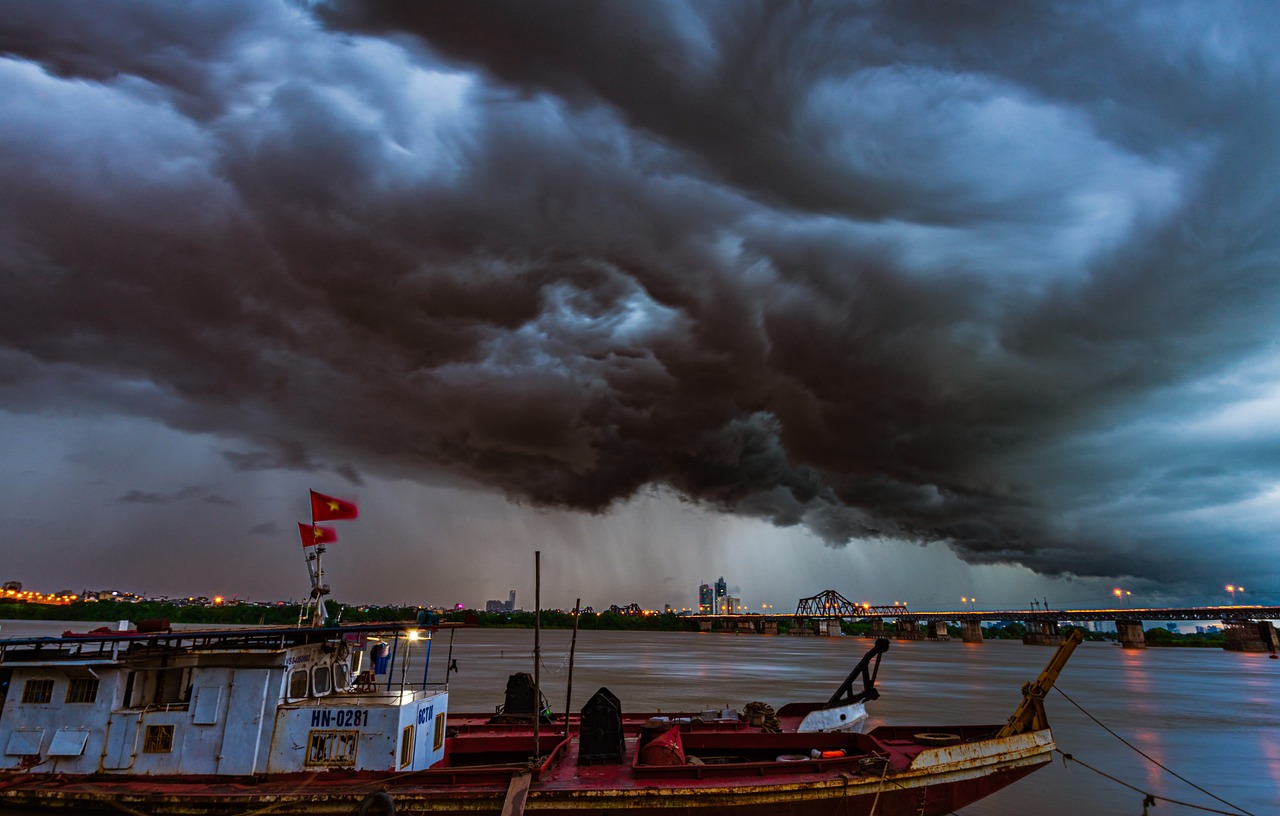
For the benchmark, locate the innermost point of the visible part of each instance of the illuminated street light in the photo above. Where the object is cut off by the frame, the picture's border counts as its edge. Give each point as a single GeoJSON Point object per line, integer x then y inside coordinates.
{"type": "Point", "coordinates": [1122, 595]}
{"type": "Point", "coordinates": [1233, 590]}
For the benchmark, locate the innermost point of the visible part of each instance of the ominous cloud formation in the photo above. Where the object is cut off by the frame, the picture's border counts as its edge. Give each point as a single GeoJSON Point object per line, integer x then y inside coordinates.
{"type": "Point", "coordinates": [1002, 276]}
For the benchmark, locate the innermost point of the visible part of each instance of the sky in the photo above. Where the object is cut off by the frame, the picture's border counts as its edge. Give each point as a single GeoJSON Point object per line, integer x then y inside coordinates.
{"type": "Point", "coordinates": [909, 300]}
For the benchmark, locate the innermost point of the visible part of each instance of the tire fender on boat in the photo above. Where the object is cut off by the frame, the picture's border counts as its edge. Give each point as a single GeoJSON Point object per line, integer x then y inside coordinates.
{"type": "Point", "coordinates": [378, 803]}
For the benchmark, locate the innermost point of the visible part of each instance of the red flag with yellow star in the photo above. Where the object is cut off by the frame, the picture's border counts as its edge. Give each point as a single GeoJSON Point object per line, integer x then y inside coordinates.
{"type": "Point", "coordinates": [313, 534]}
{"type": "Point", "coordinates": [327, 508]}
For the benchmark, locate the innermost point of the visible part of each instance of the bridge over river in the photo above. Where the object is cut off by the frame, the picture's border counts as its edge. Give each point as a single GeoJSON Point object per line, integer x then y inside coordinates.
{"type": "Point", "coordinates": [1245, 628]}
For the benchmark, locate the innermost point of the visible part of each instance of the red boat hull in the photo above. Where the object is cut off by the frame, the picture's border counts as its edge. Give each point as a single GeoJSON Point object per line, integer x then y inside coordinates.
{"type": "Point", "coordinates": [902, 778]}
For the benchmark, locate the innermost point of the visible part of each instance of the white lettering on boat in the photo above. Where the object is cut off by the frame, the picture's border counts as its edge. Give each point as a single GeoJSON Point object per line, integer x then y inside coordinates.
{"type": "Point", "coordinates": [339, 717]}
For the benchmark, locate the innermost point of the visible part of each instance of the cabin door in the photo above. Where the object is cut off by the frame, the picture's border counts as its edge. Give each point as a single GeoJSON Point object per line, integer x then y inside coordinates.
{"type": "Point", "coordinates": [122, 741]}
{"type": "Point", "coordinates": [247, 705]}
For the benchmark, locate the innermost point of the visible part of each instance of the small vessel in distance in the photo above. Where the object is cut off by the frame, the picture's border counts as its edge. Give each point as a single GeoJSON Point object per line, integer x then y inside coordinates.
{"type": "Point", "coordinates": [325, 721]}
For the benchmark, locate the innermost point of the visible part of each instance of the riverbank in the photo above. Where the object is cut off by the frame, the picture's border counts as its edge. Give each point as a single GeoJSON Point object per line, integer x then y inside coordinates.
{"type": "Point", "coordinates": [283, 614]}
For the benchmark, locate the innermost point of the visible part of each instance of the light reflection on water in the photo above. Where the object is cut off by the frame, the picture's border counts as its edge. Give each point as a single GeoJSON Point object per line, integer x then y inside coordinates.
{"type": "Point", "coordinates": [1207, 714]}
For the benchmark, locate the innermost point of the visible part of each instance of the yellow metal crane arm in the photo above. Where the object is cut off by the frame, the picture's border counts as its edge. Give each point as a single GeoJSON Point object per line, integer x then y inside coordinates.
{"type": "Point", "coordinates": [1030, 715]}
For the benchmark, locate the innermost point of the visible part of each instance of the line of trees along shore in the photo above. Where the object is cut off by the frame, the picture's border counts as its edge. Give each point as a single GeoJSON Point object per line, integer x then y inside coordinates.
{"type": "Point", "coordinates": [287, 615]}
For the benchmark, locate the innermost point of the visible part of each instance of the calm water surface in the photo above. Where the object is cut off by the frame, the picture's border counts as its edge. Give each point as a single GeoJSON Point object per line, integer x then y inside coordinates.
{"type": "Point", "coordinates": [1209, 715]}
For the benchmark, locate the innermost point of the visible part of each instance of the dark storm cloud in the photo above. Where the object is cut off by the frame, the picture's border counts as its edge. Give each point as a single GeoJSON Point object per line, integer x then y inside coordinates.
{"type": "Point", "coordinates": [267, 529]}
{"type": "Point", "coordinates": [955, 272]}
{"type": "Point", "coordinates": [152, 497]}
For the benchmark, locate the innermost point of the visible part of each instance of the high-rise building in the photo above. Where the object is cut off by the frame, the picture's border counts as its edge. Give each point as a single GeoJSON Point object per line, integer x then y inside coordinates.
{"type": "Point", "coordinates": [508, 605]}
{"type": "Point", "coordinates": [706, 599]}
{"type": "Point", "coordinates": [729, 605]}
{"type": "Point", "coordinates": [722, 589]}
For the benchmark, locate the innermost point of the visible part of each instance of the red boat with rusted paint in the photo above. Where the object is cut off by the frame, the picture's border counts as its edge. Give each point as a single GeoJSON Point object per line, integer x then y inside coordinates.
{"type": "Point", "coordinates": [289, 722]}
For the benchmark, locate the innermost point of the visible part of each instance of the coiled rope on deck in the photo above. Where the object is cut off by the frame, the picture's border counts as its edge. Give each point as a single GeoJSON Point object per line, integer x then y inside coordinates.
{"type": "Point", "coordinates": [1150, 798]}
{"type": "Point", "coordinates": [764, 712]}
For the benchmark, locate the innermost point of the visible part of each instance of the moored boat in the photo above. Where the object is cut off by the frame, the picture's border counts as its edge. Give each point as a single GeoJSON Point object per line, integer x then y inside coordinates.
{"type": "Point", "coordinates": [325, 720]}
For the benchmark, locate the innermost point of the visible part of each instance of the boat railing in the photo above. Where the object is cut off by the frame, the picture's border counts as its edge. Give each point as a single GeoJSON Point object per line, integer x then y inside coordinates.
{"type": "Point", "coordinates": [396, 695]}
{"type": "Point", "coordinates": [154, 707]}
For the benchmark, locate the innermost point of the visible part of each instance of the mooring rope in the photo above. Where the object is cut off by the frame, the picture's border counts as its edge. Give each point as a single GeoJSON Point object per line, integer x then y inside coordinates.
{"type": "Point", "coordinates": [1150, 798]}
{"type": "Point", "coordinates": [1239, 811]}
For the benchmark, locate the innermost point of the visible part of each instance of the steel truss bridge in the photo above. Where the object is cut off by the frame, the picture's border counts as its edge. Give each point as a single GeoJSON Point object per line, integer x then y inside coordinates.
{"type": "Point", "coordinates": [831, 604]}
{"type": "Point", "coordinates": [1246, 628]}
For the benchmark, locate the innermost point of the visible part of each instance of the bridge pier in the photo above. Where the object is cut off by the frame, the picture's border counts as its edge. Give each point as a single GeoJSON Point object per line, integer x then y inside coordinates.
{"type": "Point", "coordinates": [1131, 634]}
{"type": "Point", "coordinates": [877, 627]}
{"type": "Point", "coordinates": [937, 630]}
{"type": "Point", "coordinates": [767, 627]}
{"type": "Point", "coordinates": [1270, 637]}
{"type": "Point", "coordinates": [1042, 633]}
{"type": "Point", "coordinates": [909, 630]}
{"type": "Point", "coordinates": [704, 625]}
{"type": "Point", "coordinates": [1249, 636]}
{"type": "Point", "coordinates": [816, 627]}
{"type": "Point", "coordinates": [971, 631]}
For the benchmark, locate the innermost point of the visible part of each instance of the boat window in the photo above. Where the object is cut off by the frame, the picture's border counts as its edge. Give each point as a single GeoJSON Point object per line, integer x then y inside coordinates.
{"type": "Point", "coordinates": [37, 691]}
{"type": "Point", "coordinates": [340, 678]}
{"type": "Point", "coordinates": [169, 686]}
{"type": "Point", "coordinates": [82, 690]}
{"type": "Point", "coordinates": [439, 743]}
{"type": "Point", "coordinates": [173, 685]}
{"type": "Point", "coordinates": [320, 680]}
{"type": "Point", "coordinates": [298, 684]}
{"type": "Point", "coordinates": [406, 746]}
{"type": "Point", "coordinates": [158, 739]}
{"type": "Point", "coordinates": [332, 748]}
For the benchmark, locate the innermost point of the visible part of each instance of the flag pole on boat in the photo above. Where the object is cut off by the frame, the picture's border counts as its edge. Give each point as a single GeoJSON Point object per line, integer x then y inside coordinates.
{"type": "Point", "coordinates": [323, 508]}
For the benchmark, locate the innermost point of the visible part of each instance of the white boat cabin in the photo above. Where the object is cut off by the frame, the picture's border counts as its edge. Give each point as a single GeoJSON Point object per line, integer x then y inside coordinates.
{"type": "Point", "coordinates": [242, 701]}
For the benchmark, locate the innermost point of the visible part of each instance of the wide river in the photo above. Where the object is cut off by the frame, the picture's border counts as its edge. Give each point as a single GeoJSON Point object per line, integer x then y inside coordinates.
{"type": "Point", "coordinates": [1207, 715]}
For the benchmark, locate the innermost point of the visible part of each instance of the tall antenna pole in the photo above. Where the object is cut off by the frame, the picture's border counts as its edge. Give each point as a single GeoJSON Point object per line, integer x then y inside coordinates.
{"type": "Point", "coordinates": [573, 644]}
{"type": "Point", "coordinates": [308, 556]}
{"type": "Point", "coordinates": [319, 589]}
{"type": "Point", "coordinates": [537, 647]}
